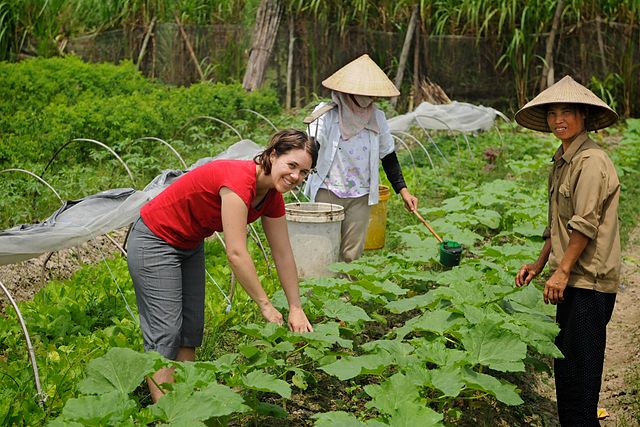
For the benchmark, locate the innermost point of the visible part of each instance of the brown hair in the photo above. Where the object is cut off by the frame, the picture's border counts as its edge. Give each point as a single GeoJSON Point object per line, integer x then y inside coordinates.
{"type": "Point", "coordinates": [284, 141]}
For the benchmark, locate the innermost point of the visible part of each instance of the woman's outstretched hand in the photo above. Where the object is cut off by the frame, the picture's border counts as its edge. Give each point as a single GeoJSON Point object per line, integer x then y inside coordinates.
{"type": "Point", "coordinates": [298, 321]}
{"type": "Point", "coordinates": [270, 314]}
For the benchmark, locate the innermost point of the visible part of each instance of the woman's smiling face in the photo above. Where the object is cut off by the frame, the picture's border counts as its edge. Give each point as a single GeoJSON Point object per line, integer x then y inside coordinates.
{"type": "Point", "coordinates": [290, 169]}
{"type": "Point", "coordinates": [566, 121]}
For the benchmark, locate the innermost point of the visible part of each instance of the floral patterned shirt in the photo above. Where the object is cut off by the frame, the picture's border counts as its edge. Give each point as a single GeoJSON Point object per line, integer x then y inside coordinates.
{"type": "Point", "coordinates": [349, 173]}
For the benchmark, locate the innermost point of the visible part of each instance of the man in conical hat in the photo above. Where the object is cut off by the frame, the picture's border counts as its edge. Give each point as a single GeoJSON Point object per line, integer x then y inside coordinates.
{"type": "Point", "coordinates": [354, 136]}
{"type": "Point", "coordinates": [582, 241]}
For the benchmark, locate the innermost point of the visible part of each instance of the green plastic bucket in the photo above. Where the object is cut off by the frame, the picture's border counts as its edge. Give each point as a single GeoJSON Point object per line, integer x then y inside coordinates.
{"type": "Point", "coordinates": [450, 253]}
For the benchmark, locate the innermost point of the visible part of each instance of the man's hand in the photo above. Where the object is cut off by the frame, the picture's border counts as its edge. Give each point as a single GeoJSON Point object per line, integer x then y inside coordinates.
{"type": "Point", "coordinates": [526, 274]}
{"type": "Point", "coordinates": [555, 286]}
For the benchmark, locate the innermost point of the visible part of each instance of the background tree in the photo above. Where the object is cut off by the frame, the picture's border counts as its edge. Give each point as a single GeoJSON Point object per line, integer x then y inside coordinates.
{"type": "Point", "coordinates": [264, 37]}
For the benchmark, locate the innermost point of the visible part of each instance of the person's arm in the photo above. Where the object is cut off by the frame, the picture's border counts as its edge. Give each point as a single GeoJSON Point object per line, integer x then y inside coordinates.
{"type": "Point", "coordinates": [277, 234]}
{"type": "Point", "coordinates": [557, 283]}
{"type": "Point", "coordinates": [393, 171]}
{"type": "Point", "coordinates": [234, 226]}
{"type": "Point", "coordinates": [529, 271]}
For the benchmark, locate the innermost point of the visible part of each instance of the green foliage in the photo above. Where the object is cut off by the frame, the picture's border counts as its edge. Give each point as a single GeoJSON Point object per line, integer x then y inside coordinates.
{"type": "Point", "coordinates": [626, 158]}
{"type": "Point", "coordinates": [37, 27]}
{"type": "Point", "coordinates": [608, 89]}
{"type": "Point", "coordinates": [120, 370]}
{"type": "Point", "coordinates": [70, 323]}
{"type": "Point", "coordinates": [419, 342]}
{"type": "Point", "coordinates": [46, 103]}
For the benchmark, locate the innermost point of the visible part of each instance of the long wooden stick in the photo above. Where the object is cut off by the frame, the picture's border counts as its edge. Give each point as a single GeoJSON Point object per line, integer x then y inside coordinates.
{"type": "Point", "coordinates": [194, 58]}
{"type": "Point", "coordinates": [428, 226]}
{"type": "Point", "coordinates": [143, 49]}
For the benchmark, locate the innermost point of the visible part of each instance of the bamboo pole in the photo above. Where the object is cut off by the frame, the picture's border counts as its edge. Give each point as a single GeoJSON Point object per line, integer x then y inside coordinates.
{"type": "Point", "coordinates": [194, 58]}
{"type": "Point", "coordinates": [548, 71]}
{"type": "Point", "coordinates": [292, 41]}
{"type": "Point", "coordinates": [143, 49]}
{"type": "Point", "coordinates": [426, 224]}
{"type": "Point", "coordinates": [415, 96]}
{"type": "Point", "coordinates": [405, 51]}
{"type": "Point", "coordinates": [264, 37]}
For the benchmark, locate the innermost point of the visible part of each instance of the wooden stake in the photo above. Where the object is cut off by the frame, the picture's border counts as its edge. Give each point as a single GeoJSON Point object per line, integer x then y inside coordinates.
{"type": "Point", "coordinates": [405, 51]}
{"type": "Point", "coordinates": [143, 49]}
{"type": "Point", "coordinates": [292, 41]}
{"type": "Point", "coordinates": [194, 58]}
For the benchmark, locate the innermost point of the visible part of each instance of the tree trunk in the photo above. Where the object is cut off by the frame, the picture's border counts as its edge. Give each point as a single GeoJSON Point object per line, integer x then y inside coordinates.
{"type": "Point", "coordinates": [292, 40]}
{"type": "Point", "coordinates": [264, 37]}
{"type": "Point", "coordinates": [583, 51]}
{"type": "Point", "coordinates": [405, 50]}
{"type": "Point", "coordinates": [548, 71]}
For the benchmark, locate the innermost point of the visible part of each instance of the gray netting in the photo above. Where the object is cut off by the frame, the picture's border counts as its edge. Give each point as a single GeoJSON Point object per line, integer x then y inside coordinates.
{"type": "Point", "coordinates": [464, 66]}
{"type": "Point", "coordinates": [79, 221]}
{"type": "Point", "coordinates": [219, 49]}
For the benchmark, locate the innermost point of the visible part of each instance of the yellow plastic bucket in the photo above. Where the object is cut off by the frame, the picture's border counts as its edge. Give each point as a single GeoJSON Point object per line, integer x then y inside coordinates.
{"type": "Point", "coordinates": [378, 221]}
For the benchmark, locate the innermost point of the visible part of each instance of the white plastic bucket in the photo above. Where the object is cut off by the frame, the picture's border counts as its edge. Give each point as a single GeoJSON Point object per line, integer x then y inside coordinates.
{"type": "Point", "coordinates": [314, 232]}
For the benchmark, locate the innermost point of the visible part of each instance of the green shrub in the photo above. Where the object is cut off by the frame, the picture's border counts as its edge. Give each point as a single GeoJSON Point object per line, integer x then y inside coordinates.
{"type": "Point", "coordinates": [46, 103]}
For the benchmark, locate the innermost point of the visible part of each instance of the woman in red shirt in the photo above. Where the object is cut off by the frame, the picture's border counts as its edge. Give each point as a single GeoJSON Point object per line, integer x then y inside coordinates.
{"type": "Point", "coordinates": [166, 245]}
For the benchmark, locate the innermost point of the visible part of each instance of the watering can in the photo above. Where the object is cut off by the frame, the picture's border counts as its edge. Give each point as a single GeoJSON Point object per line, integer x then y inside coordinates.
{"type": "Point", "coordinates": [450, 251]}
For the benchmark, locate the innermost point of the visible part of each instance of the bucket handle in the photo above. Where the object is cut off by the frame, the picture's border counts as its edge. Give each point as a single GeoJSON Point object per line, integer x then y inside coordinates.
{"type": "Point", "coordinates": [428, 226]}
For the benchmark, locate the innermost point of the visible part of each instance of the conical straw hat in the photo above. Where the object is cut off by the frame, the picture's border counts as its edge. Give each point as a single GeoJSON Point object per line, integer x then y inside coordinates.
{"type": "Point", "coordinates": [361, 76]}
{"type": "Point", "coordinates": [566, 91]}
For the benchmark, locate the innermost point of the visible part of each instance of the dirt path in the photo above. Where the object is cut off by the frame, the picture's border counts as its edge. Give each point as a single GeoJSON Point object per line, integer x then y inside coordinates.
{"type": "Point", "coordinates": [621, 380]}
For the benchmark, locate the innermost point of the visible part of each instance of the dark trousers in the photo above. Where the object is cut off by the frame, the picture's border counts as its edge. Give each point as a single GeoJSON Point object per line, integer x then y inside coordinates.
{"type": "Point", "coordinates": [583, 318]}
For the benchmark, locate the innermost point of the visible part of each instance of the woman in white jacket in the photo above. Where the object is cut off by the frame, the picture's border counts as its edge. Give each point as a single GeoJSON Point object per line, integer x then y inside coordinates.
{"type": "Point", "coordinates": [354, 136]}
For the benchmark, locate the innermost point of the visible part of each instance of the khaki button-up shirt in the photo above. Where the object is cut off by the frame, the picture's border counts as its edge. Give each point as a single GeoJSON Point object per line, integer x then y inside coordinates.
{"type": "Point", "coordinates": [583, 196]}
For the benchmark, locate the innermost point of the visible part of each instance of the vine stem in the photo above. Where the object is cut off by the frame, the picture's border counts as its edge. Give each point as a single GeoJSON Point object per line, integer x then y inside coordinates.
{"type": "Point", "coordinates": [42, 397]}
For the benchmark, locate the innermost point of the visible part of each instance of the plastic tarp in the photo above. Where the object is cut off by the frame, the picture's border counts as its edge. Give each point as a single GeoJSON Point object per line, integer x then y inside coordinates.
{"type": "Point", "coordinates": [458, 116]}
{"type": "Point", "coordinates": [79, 221]}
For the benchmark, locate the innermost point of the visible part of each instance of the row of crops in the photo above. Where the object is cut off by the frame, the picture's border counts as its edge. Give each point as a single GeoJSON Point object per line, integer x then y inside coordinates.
{"type": "Point", "coordinates": [404, 342]}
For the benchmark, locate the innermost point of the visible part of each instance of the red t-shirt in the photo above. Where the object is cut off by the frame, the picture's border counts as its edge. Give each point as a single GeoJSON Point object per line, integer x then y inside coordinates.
{"type": "Point", "coordinates": [189, 209]}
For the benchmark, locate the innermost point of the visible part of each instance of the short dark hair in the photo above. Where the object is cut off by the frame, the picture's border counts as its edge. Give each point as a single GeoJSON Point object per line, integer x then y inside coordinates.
{"type": "Point", "coordinates": [284, 141]}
